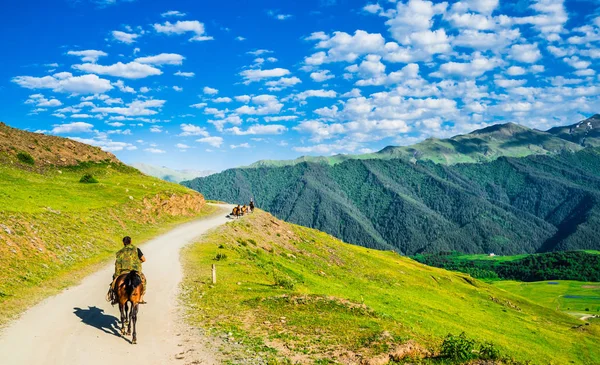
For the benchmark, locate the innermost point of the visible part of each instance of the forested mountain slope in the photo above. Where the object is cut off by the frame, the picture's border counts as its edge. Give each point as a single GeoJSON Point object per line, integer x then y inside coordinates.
{"type": "Point", "coordinates": [510, 205]}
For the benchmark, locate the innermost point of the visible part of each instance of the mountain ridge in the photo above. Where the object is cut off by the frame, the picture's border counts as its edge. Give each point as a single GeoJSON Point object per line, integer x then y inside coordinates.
{"type": "Point", "coordinates": [508, 205]}
{"type": "Point", "coordinates": [468, 146]}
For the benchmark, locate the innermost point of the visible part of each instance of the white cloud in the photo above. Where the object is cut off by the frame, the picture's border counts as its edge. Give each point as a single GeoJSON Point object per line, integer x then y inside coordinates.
{"type": "Point", "coordinates": [135, 108]}
{"type": "Point", "coordinates": [131, 70]}
{"type": "Point", "coordinates": [483, 6]}
{"type": "Point", "coordinates": [115, 124]}
{"type": "Point", "coordinates": [515, 71]}
{"type": "Point", "coordinates": [210, 91]}
{"type": "Point", "coordinates": [121, 85]}
{"type": "Point", "coordinates": [89, 55]}
{"type": "Point", "coordinates": [259, 52]}
{"type": "Point", "coordinates": [105, 143]}
{"type": "Point", "coordinates": [156, 129]}
{"type": "Point", "coordinates": [177, 88]}
{"type": "Point", "coordinates": [172, 13]}
{"type": "Point", "coordinates": [282, 83]}
{"type": "Point", "coordinates": [528, 53]}
{"type": "Point", "coordinates": [184, 74]}
{"type": "Point", "coordinates": [162, 59]}
{"type": "Point", "coordinates": [222, 100]}
{"type": "Point", "coordinates": [320, 76]}
{"type": "Point", "coordinates": [241, 145]}
{"type": "Point", "coordinates": [193, 130]}
{"type": "Point", "coordinates": [413, 17]}
{"type": "Point", "coordinates": [123, 37]}
{"type": "Point", "coordinates": [576, 62]}
{"type": "Point", "coordinates": [265, 104]}
{"type": "Point", "coordinates": [315, 94]}
{"type": "Point", "coordinates": [344, 47]}
{"type": "Point", "coordinates": [240, 38]}
{"type": "Point", "coordinates": [181, 27]}
{"type": "Point", "coordinates": [476, 67]}
{"type": "Point", "coordinates": [182, 146]}
{"type": "Point", "coordinates": [243, 98]}
{"type": "Point", "coordinates": [40, 101]}
{"type": "Point", "coordinates": [253, 75]}
{"type": "Point", "coordinates": [198, 105]}
{"type": "Point", "coordinates": [65, 82]}
{"type": "Point", "coordinates": [154, 150]}
{"type": "Point", "coordinates": [258, 129]}
{"type": "Point", "coordinates": [281, 118]}
{"type": "Point", "coordinates": [213, 141]}
{"type": "Point", "coordinates": [75, 127]}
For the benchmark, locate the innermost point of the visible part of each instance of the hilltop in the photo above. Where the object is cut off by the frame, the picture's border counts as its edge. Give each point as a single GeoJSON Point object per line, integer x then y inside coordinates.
{"type": "Point", "coordinates": [297, 295]}
{"type": "Point", "coordinates": [509, 205]}
{"type": "Point", "coordinates": [65, 207]}
{"type": "Point", "coordinates": [48, 150]}
{"type": "Point", "coordinates": [483, 145]}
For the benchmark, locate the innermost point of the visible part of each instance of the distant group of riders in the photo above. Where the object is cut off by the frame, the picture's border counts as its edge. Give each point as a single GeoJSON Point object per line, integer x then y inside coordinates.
{"type": "Point", "coordinates": [239, 211]}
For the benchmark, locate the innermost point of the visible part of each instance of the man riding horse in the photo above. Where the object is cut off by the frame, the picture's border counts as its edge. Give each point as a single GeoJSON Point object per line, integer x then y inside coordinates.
{"type": "Point", "coordinates": [129, 258]}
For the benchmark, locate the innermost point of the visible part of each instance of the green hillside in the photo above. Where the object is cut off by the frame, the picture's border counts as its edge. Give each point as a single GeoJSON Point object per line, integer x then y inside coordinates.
{"type": "Point", "coordinates": [55, 228]}
{"type": "Point", "coordinates": [484, 145]}
{"type": "Point", "coordinates": [291, 294]}
{"type": "Point", "coordinates": [538, 203]}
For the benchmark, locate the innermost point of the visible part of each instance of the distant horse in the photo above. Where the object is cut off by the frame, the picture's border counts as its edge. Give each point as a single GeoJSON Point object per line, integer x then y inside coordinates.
{"type": "Point", "coordinates": [244, 209]}
{"type": "Point", "coordinates": [129, 289]}
{"type": "Point", "coordinates": [251, 206]}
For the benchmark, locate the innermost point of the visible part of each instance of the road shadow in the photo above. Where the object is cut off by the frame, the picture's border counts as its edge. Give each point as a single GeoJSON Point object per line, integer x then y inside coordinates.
{"type": "Point", "coordinates": [95, 317]}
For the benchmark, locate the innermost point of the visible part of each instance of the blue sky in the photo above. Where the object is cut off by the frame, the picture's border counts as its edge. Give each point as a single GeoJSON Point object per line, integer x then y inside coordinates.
{"type": "Point", "coordinates": [218, 84]}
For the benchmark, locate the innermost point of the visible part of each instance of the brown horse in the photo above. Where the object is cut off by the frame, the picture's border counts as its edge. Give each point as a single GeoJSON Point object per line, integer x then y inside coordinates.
{"type": "Point", "coordinates": [129, 289]}
{"type": "Point", "coordinates": [235, 212]}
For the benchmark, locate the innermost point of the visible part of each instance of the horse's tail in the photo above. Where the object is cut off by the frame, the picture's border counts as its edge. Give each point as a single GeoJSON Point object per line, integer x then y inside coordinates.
{"type": "Point", "coordinates": [132, 281]}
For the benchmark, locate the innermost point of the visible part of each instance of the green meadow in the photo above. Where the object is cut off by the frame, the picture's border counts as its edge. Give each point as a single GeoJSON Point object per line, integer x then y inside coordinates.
{"type": "Point", "coordinates": [294, 294]}
{"type": "Point", "coordinates": [55, 229]}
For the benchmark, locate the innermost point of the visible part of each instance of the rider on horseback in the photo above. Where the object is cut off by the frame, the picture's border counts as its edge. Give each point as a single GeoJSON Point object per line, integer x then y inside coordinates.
{"type": "Point", "coordinates": [128, 258]}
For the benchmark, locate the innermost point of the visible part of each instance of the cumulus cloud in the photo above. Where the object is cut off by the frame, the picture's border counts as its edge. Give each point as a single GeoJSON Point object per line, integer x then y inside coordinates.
{"type": "Point", "coordinates": [184, 74]}
{"type": "Point", "coordinates": [315, 94]}
{"type": "Point", "coordinates": [186, 26]}
{"type": "Point", "coordinates": [154, 150]}
{"type": "Point", "coordinates": [65, 82]}
{"type": "Point", "coordinates": [131, 70]}
{"type": "Point", "coordinates": [135, 108]}
{"type": "Point", "coordinates": [212, 141]}
{"type": "Point", "coordinates": [41, 102]}
{"type": "Point", "coordinates": [162, 59]}
{"type": "Point", "coordinates": [258, 129]}
{"type": "Point", "coordinates": [75, 127]}
{"type": "Point", "coordinates": [172, 13]}
{"type": "Point", "coordinates": [474, 68]}
{"type": "Point", "coordinates": [224, 99]}
{"type": "Point", "coordinates": [210, 91]}
{"type": "Point", "coordinates": [527, 53]}
{"type": "Point", "coordinates": [192, 130]}
{"type": "Point", "coordinates": [253, 75]}
{"type": "Point", "coordinates": [263, 105]}
{"type": "Point", "coordinates": [241, 145]}
{"type": "Point", "coordinates": [123, 37]}
{"type": "Point", "coordinates": [89, 55]}
{"type": "Point", "coordinates": [344, 47]}
{"type": "Point", "coordinates": [320, 76]}
{"type": "Point", "coordinates": [282, 83]}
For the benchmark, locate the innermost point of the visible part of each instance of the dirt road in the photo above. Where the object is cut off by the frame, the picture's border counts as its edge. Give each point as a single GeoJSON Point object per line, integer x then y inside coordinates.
{"type": "Point", "coordinates": [79, 327]}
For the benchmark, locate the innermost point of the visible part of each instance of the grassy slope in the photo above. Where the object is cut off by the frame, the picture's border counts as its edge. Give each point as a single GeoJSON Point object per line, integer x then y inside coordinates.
{"type": "Point", "coordinates": [53, 229]}
{"type": "Point", "coordinates": [349, 298]}
{"type": "Point", "coordinates": [563, 295]}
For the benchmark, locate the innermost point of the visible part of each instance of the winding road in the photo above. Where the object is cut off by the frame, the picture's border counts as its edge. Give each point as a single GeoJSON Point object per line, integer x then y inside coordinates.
{"type": "Point", "coordinates": [79, 327]}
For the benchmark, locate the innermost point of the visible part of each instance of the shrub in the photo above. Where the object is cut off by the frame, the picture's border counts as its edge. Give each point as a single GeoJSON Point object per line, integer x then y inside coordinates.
{"type": "Point", "coordinates": [458, 347]}
{"type": "Point", "coordinates": [488, 351]}
{"type": "Point", "coordinates": [88, 179]}
{"type": "Point", "coordinates": [283, 281]}
{"type": "Point", "coordinates": [25, 158]}
{"type": "Point", "coordinates": [220, 257]}
{"type": "Point", "coordinates": [221, 246]}
{"type": "Point", "coordinates": [252, 241]}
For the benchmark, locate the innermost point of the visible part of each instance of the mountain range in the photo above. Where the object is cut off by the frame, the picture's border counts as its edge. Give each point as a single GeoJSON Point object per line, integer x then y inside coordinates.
{"type": "Point", "coordinates": [171, 175]}
{"type": "Point", "coordinates": [505, 189]}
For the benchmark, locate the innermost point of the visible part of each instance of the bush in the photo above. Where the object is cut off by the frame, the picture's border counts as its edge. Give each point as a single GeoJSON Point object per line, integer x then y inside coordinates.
{"type": "Point", "coordinates": [488, 351]}
{"type": "Point", "coordinates": [220, 257]}
{"type": "Point", "coordinates": [88, 179]}
{"type": "Point", "coordinates": [283, 281]}
{"type": "Point", "coordinates": [25, 158]}
{"type": "Point", "coordinates": [458, 347]}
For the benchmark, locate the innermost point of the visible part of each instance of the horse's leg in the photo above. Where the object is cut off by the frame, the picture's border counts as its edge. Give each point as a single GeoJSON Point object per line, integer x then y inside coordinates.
{"type": "Point", "coordinates": [126, 312]}
{"type": "Point", "coordinates": [130, 319]}
{"type": "Point", "coordinates": [122, 310]}
{"type": "Point", "coordinates": [134, 312]}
